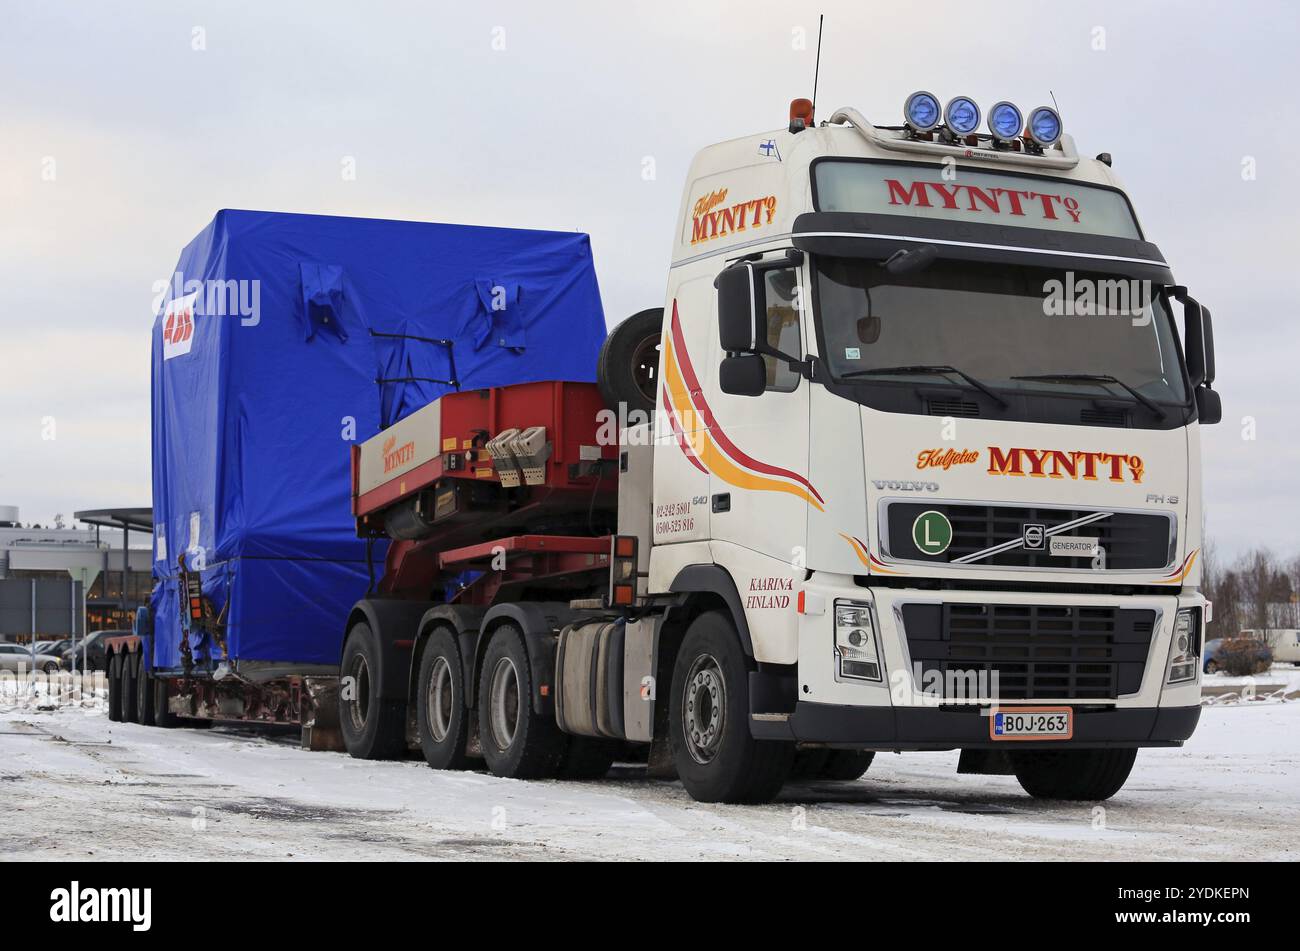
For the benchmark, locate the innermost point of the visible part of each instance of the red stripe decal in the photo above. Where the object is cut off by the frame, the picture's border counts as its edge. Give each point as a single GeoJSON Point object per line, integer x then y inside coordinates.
{"type": "Point", "coordinates": [697, 397]}
{"type": "Point", "coordinates": [680, 435]}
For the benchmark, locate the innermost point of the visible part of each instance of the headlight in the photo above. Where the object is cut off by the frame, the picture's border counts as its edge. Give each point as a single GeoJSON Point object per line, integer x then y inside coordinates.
{"type": "Point", "coordinates": [857, 655]}
{"type": "Point", "coordinates": [1185, 651]}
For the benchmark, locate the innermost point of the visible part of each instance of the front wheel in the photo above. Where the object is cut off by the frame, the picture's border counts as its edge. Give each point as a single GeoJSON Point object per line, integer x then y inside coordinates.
{"type": "Point", "coordinates": [1089, 775]}
{"type": "Point", "coordinates": [716, 756]}
{"type": "Point", "coordinates": [847, 765]}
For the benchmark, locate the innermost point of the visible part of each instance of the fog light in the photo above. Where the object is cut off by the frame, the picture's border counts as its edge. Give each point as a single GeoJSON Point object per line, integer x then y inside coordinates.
{"type": "Point", "coordinates": [1004, 121]}
{"type": "Point", "coordinates": [857, 655]}
{"type": "Point", "coordinates": [1185, 648]}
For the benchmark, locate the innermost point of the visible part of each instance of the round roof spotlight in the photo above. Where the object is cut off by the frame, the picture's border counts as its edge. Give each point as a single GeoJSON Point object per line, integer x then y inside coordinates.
{"type": "Point", "coordinates": [961, 115]}
{"type": "Point", "coordinates": [1044, 126]}
{"type": "Point", "coordinates": [1005, 121]}
{"type": "Point", "coordinates": [922, 112]}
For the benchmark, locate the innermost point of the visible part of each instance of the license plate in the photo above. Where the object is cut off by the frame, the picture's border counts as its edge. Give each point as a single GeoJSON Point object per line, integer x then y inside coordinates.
{"type": "Point", "coordinates": [1032, 723]}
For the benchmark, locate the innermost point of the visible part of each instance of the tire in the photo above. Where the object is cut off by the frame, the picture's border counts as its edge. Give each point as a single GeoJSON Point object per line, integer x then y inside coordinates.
{"type": "Point", "coordinates": [808, 765]}
{"type": "Point", "coordinates": [847, 765]}
{"type": "Point", "coordinates": [162, 716]}
{"type": "Point", "coordinates": [517, 742]}
{"type": "Point", "coordinates": [587, 757]}
{"type": "Point", "coordinates": [50, 667]}
{"type": "Point", "coordinates": [716, 756]}
{"type": "Point", "coordinates": [115, 688]}
{"type": "Point", "coordinates": [129, 669]}
{"type": "Point", "coordinates": [627, 371]}
{"type": "Point", "coordinates": [1212, 667]}
{"type": "Point", "coordinates": [372, 727]}
{"type": "Point", "coordinates": [1089, 775]}
{"type": "Point", "coordinates": [143, 693]}
{"type": "Point", "coordinates": [442, 717]}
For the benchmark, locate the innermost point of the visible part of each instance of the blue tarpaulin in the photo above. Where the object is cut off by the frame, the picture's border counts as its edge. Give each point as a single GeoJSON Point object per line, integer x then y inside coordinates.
{"type": "Point", "coordinates": [281, 340]}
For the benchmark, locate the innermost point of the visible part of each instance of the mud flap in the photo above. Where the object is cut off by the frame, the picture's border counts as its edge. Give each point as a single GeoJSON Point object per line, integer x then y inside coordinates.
{"type": "Point", "coordinates": [985, 763]}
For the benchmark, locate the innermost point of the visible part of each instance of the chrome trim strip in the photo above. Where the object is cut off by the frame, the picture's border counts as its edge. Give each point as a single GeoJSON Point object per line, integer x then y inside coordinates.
{"type": "Point", "coordinates": [1019, 542]}
{"type": "Point", "coordinates": [882, 536]}
{"type": "Point", "coordinates": [790, 235]}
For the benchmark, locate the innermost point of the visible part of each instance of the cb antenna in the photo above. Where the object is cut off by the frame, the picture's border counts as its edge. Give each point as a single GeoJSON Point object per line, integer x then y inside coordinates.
{"type": "Point", "coordinates": [817, 67]}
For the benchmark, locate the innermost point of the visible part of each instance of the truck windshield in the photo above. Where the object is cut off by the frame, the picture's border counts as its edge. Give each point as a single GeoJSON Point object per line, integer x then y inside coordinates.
{"type": "Point", "coordinates": [1090, 333]}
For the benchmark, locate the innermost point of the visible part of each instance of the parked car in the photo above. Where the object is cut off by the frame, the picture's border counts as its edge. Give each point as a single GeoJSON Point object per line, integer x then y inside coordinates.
{"type": "Point", "coordinates": [18, 657]}
{"type": "Point", "coordinates": [1238, 656]}
{"type": "Point", "coordinates": [54, 647]}
{"type": "Point", "coordinates": [92, 649]}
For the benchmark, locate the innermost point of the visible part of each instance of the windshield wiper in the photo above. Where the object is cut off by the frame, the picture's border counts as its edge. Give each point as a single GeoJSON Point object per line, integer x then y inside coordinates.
{"type": "Point", "coordinates": [931, 368]}
{"type": "Point", "coordinates": [1097, 378]}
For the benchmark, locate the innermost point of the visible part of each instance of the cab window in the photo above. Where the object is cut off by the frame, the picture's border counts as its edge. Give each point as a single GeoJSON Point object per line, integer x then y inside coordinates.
{"type": "Point", "coordinates": [782, 303]}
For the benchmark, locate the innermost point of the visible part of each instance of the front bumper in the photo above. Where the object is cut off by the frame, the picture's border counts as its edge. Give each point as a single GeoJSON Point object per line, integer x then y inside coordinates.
{"type": "Point", "coordinates": [912, 728]}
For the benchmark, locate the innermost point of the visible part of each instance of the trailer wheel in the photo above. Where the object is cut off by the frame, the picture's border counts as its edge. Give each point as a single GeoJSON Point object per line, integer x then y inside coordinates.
{"type": "Point", "coordinates": [517, 742]}
{"type": "Point", "coordinates": [587, 757]}
{"type": "Point", "coordinates": [115, 688]}
{"type": "Point", "coordinates": [143, 692]}
{"type": "Point", "coordinates": [716, 756]}
{"type": "Point", "coordinates": [1072, 774]}
{"type": "Point", "coordinates": [847, 765]}
{"type": "Point", "coordinates": [128, 686]}
{"type": "Point", "coordinates": [372, 727]}
{"type": "Point", "coordinates": [162, 714]}
{"type": "Point", "coordinates": [627, 370]}
{"type": "Point", "coordinates": [443, 718]}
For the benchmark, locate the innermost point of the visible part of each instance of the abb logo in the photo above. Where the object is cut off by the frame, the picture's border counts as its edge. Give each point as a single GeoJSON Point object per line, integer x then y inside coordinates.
{"type": "Point", "coordinates": [178, 326]}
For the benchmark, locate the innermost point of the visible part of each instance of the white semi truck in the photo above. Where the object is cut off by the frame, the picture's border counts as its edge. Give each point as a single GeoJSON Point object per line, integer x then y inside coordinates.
{"type": "Point", "coordinates": [918, 469]}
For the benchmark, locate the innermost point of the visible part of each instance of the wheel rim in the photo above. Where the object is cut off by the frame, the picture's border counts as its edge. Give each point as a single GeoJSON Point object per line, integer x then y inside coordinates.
{"type": "Point", "coordinates": [359, 705]}
{"type": "Point", "coordinates": [645, 359]}
{"type": "Point", "coordinates": [440, 700]}
{"type": "Point", "coordinates": [704, 709]}
{"type": "Point", "coordinates": [503, 703]}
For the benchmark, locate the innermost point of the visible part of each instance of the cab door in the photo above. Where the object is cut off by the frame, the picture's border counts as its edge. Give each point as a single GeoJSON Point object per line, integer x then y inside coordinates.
{"type": "Point", "coordinates": [757, 450]}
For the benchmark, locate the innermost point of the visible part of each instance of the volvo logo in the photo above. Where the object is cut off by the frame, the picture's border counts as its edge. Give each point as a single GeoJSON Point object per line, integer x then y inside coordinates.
{"type": "Point", "coordinates": [904, 485]}
{"type": "Point", "coordinates": [1034, 535]}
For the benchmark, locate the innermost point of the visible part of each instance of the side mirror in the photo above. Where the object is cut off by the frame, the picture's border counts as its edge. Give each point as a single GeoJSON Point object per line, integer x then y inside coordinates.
{"type": "Point", "coordinates": [1198, 347]}
{"type": "Point", "coordinates": [743, 375]}
{"type": "Point", "coordinates": [1209, 408]}
{"type": "Point", "coordinates": [1207, 336]}
{"type": "Point", "coordinates": [1193, 338]}
{"type": "Point", "coordinates": [738, 309]}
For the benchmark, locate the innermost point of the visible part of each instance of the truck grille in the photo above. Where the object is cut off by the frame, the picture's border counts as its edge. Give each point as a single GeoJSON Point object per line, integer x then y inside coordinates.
{"type": "Point", "coordinates": [1131, 540]}
{"type": "Point", "coordinates": [1038, 651]}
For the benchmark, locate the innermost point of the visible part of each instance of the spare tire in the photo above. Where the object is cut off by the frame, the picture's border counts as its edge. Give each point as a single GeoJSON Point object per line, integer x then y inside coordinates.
{"type": "Point", "coordinates": [627, 371]}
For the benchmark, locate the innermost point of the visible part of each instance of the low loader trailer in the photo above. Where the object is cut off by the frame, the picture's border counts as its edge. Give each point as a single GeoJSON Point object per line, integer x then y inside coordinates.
{"type": "Point", "coordinates": [908, 460]}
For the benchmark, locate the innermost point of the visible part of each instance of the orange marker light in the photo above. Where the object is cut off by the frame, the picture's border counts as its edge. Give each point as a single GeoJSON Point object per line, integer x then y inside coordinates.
{"type": "Point", "coordinates": [802, 109]}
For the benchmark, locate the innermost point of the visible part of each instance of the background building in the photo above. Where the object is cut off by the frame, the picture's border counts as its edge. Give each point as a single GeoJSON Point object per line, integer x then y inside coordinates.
{"type": "Point", "coordinates": [46, 570]}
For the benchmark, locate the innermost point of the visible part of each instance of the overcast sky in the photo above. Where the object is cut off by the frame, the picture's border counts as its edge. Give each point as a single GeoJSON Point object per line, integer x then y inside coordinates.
{"type": "Point", "coordinates": [125, 127]}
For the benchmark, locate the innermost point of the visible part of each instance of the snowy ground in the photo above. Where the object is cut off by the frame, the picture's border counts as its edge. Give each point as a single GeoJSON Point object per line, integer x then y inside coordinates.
{"type": "Point", "coordinates": [74, 785]}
